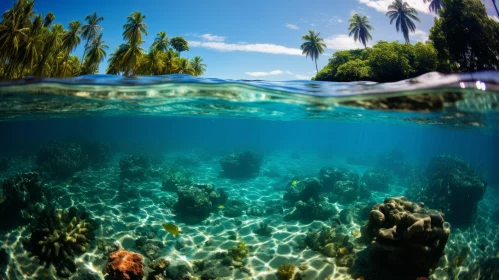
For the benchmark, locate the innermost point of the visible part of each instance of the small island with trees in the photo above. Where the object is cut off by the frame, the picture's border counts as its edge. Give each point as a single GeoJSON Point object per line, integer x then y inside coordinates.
{"type": "Point", "coordinates": [462, 39]}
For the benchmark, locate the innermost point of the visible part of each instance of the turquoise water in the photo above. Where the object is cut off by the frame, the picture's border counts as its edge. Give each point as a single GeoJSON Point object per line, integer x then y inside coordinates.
{"type": "Point", "coordinates": [255, 175]}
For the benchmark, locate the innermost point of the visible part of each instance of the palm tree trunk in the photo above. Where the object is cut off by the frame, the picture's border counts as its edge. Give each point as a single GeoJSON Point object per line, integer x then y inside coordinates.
{"type": "Point", "coordinates": [316, 69]}
{"type": "Point", "coordinates": [495, 6]}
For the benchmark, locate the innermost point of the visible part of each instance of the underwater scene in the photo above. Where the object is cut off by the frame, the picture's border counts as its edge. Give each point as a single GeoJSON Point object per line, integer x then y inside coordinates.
{"type": "Point", "coordinates": [178, 177]}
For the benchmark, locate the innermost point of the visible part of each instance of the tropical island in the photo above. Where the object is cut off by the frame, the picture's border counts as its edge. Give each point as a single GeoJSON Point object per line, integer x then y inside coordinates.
{"type": "Point", "coordinates": [33, 45]}
{"type": "Point", "coordinates": [462, 39]}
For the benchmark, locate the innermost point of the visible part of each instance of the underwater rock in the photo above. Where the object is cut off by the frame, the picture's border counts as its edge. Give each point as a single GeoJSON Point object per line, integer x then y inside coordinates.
{"type": "Point", "coordinates": [179, 269]}
{"type": "Point", "coordinates": [61, 160]}
{"type": "Point", "coordinates": [19, 193]}
{"type": "Point", "coordinates": [241, 165]}
{"type": "Point", "coordinates": [311, 209]}
{"type": "Point", "coordinates": [135, 168]}
{"type": "Point", "coordinates": [378, 179]}
{"type": "Point", "coordinates": [454, 188]}
{"type": "Point", "coordinates": [175, 178]}
{"type": "Point", "coordinates": [343, 186]}
{"type": "Point", "coordinates": [198, 200]}
{"type": "Point", "coordinates": [125, 265]}
{"type": "Point", "coordinates": [302, 190]}
{"type": "Point", "coordinates": [58, 236]}
{"type": "Point", "coordinates": [331, 242]}
{"type": "Point", "coordinates": [4, 163]}
{"type": "Point", "coordinates": [211, 269]}
{"type": "Point", "coordinates": [406, 240]}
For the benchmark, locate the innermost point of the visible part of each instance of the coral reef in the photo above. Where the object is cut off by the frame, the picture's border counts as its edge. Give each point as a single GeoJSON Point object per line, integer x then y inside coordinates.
{"type": "Point", "coordinates": [20, 194]}
{"type": "Point", "coordinates": [454, 188]}
{"type": "Point", "coordinates": [61, 160]}
{"type": "Point", "coordinates": [378, 179]}
{"type": "Point", "coordinates": [331, 242]}
{"type": "Point", "coordinates": [125, 265]}
{"type": "Point", "coordinates": [406, 240]}
{"type": "Point", "coordinates": [179, 269]}
{"type": "Point", "coordinates": [135, 167]}
{"type": "Point", "coordinates": [174, 178]}
{"type": "Point", "coordinates": [196, 201]}
{"type": "Point", "coordinates": [263, 229]}
{"type": "Point", "coordinates": [285, 271]}
{"type": "Point", "coordinates": [343, 186]}
{"type": "Point", "coordinates": [59, 235]}
{"type": "Point", "coordinates": [302, 190]}
{"type": "Point", "coordinates": [241, 165]}
{"type": "Point", "coordinates": [239, 252]}
{"type": "Point", "coordinates": [309, 203]}
{"type": "Point", "coordinates": [4, 163]}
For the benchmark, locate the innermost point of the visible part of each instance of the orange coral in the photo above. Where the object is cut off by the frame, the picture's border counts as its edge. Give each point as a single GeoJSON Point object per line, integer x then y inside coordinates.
{"type": "Point", "coordinates": [124, 265]}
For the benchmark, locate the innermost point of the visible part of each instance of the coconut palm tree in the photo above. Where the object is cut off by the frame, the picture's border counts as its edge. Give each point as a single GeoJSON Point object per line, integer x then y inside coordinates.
{"type": "Point", "coordinates": [92, 29]}
{"type": "Point", "coordinates": [49, 18]}
{"type": "Point", "coordinates": [495, 6]}
{"type": "Point", "coordinates": [51, 49]}
{"type": "Point", "coordinates": [313, 46]}
{"type": "Point", "coordinates": [198, 66]}
{"type": "Point", "coordinates": [436, 5]}
{"type": "Point", "coordinates": [114, 66]}
{"type": "Point", "coordinates": [404, 15]}
{"type": "Point", "coordinates": [96, 52]}
{"type": "Point", "coordinates": [70, 40]}
{"type": "Point", "coordinates": [170, 57]}
{"type": "Point", "coordinates": [153, 63]}
{"type": "Point", "coordinates": [359, 28]}
{"type": "Point", "coordinates": [134, 28]}
{"type": "Point", "coordinates": [33, 44]}
{"type": "Point", "coordinates": [184, 67]}
{"type": "Point", "coordinates": [161, 42]}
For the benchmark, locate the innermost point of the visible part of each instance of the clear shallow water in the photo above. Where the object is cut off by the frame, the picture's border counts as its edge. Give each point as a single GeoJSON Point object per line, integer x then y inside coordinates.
{"type": "Point", "coordinates": [187, 126]}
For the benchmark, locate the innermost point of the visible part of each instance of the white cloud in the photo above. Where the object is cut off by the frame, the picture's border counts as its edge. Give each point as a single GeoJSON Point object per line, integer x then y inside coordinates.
{"type": "Point", "coordinates": [312, 24]}
{"type": "Point", "coordinates": [382, 5]}
{"type": "Point", "coordinates": [342, 42]}
{"type": "Point", "coordinates": [245, 47]}
{"type": "Point", "coordinates": [279, 73]}
{"type": "Point", "coordinates": [419, 35]}
{"type": "Point", "coordinates": [212, 38]}
{"type": "Point", "coordinates": [335, 20]}
{"type": "Point", "coordinates": [292, 26]}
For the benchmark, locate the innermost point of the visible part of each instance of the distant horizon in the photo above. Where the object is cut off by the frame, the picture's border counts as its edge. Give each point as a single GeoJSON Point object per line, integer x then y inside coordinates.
{"type": "Point", "coordinates": [244, 41]}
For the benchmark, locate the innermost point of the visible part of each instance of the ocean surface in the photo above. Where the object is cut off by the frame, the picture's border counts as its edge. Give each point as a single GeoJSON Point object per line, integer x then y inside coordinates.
{"type": "Point", "coordinates": [264, 180]}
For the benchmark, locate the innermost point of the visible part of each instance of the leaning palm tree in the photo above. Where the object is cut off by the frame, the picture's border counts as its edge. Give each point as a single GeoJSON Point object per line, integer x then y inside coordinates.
{"type": "Point", "coordinates": [33, 44]}
{"type": "Point", "coordinates": [313, 46]}
{"type": "Point", "coordinates": [404, 14]}
{"type": "Point", "coordinates": [495, 6]}
{"type": "Point", "coordinates": [70, 40]}
{"type": "Point", "coordinates": [359, 28]}
{"type": "Point", "coordinates": [96, 52]}
{"type": "Point", "coordinates": [436, 5]}
{"type": "Point", "coordinates": [134, 28]}
{"type": "Point", "coordinates": [198, 66]}
{"type": "Point", "coordinates": [161, 42]}
{"type": "Point", "coordinates": [92, 29]}
{"type": "Point", "coordinates": [153, 63]}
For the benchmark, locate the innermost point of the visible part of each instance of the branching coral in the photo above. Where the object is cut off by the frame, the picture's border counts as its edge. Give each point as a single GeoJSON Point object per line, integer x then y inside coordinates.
{"type": "Point", "coordinates": [59, 236]}
{"type": "Point", "coordinates": [286, 271]}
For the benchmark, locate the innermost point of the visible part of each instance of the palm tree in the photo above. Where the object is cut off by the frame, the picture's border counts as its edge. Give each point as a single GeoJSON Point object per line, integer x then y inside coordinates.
{"type": "Point", "coordinates": [161, 42]}
{"type": "Point", "coordinates": [198, 66]}
{"type": "Point", "coordinates": [313, 46]}
{"type": "Point", "coordinates": [134, 28]}
{"type": "Point", "coordinates": [153, 63]}
{"type": "Point", "coordinates": [92, 29]}
{"type": "Point", "coordinates": [436, 5]}
{"type": "Point", "coordinates": [404, 14]}
{"type": "Point", "coordinates": [70, 40]}
{"type": "Point", "coordinates": [184, 67]}
{"type": "Point", "coordinates": [50, 51]}
{"type": "Point", "coordinates": [33, 44]}
{"type": "Point", "coordinates": [359, 28]}
{"type": "Point", "coordinates": [495, 6]}
{"type": "Point", "coordinates": [114, 66]}
{"type": "Point", "coordinates": [49, 18]}
{"type": "Point", "coordinates": [170, 58]}
{"type": "Point", "coordinates": [96, 52]}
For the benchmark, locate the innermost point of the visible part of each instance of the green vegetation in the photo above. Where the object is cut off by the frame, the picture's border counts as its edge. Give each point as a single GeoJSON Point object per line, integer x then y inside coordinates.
{"type": "Point", "coordinates": [359, 28]}
{"type": "Point", "coordinates": [313, 46]}
{"type": "Point", "coordinates": [384, 62]}
{"type": "Point", "coordinates": [285, 271]}
{"type": "Point", "coordinates": [33, 45]}
{"type": "Point", "coordinates": [463, 39]}
{"type": "Point", "coordinates": [404, 17]}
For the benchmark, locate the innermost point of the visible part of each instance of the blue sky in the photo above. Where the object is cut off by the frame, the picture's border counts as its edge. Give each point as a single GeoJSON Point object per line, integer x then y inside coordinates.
{"type": "Point", "coordinates": [239, 39]}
